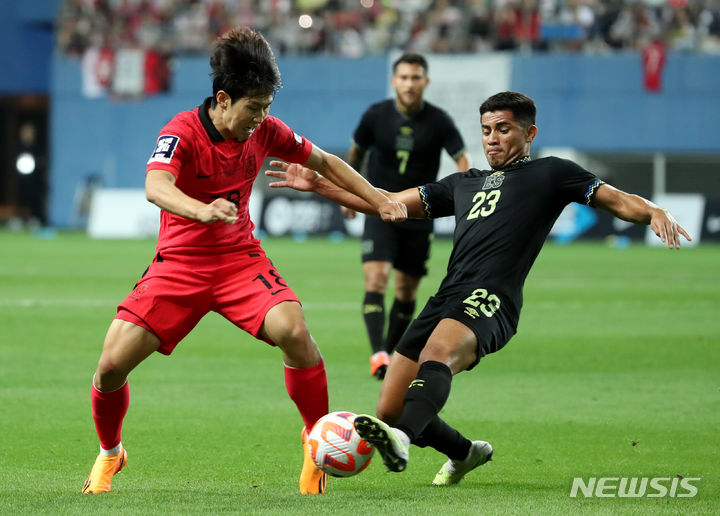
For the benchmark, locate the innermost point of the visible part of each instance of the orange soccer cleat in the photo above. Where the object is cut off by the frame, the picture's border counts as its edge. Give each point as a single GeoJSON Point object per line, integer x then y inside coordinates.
{"type": "Point", "coordinates": [312, 479]}
{"type": "Point", "coordinates": [379, 363]}
{"type": "Point", "coordinates": [105, 467]}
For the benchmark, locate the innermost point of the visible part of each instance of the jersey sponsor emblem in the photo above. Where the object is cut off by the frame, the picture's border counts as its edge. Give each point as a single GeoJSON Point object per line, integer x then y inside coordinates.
{"type": "Point", "coordinates": [297, 137]}
{"type": "Point", "coordinates": [494, 180]}
{"type": "Point", "coordinates": [417, 383]}
{"type": "Point", "coordinates": [471, 312]}
{"type": "Point", "coordinates": [164, 149]}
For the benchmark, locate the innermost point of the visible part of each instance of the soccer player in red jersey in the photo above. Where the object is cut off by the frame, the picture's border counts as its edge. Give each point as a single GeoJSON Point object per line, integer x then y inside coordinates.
{"type": "Point", "coordinates": [201, 174]}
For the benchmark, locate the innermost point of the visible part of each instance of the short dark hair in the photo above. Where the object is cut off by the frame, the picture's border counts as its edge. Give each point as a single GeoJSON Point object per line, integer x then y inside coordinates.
{"type": "Point", "coordinates": [243, 65]}
{"type": "Point", "coordinates": [522, 107]}
{"type": "Point", "coordinates": [411, 58]}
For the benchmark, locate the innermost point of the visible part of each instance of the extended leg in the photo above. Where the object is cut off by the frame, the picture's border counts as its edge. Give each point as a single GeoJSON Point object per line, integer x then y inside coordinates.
{"type": "Point", "coordinates": [126, 345]}
{"type": "Point", "coordinates": [376, 275]}
{"type": "Point", "coordinates": [450, 349]}
{"type": "Point", "coordinates": [305, 379]}
{"type": "Point", "coordinates": [401, 312]}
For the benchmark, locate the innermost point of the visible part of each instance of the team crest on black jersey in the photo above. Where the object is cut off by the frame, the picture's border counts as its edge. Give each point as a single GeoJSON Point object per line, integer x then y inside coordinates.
{"type": "Point", "coordinates": [164, 148]}
{"type": "Point", "coordinates": [404, 140]}
{"type": "Point", "coordinates": [494, 180]}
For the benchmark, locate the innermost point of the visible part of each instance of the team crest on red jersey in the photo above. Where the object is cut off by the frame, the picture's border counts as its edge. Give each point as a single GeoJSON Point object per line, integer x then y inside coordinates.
{"type": "Point", "coordinates": [164, 149]}
{"type": "Point", "coordinates": [139, 290]}
{"type": "Point", "coordinates": [250, 167]}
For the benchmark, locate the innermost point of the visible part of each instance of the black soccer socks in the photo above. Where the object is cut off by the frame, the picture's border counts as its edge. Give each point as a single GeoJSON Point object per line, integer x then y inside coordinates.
{"type": "Point", "coordinates": [400, 316]}
{"type": "Point", "coordinates": [445, 439]}
{"type": "Point", "coordinates": [427, 394]}
{"type": "Point", "coordinates": [374, 315]}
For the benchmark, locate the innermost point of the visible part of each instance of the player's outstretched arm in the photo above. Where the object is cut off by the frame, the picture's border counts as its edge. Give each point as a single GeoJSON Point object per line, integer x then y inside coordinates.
{"type": "Point", "coordinates": [303, 179]}
{"type": "Point", "coordinates": [634, 208]}
{"type": "Point", "coordinates": [355, 157]}
{"type": "Point", "coordinates": [347, 178]}
{"type": "Point", "coordinates": [160, 190]}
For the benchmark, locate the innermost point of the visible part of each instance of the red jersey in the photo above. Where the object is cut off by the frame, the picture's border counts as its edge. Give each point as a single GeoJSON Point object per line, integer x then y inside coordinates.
{"type": "Point", "coordinates": [207, 166]}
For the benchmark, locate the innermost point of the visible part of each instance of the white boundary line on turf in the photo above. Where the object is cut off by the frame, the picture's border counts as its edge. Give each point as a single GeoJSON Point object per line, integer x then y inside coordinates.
{"type": "Point", "coordinates": [41, 302]}
{"type": "Point", "coordinates": [100, 303]}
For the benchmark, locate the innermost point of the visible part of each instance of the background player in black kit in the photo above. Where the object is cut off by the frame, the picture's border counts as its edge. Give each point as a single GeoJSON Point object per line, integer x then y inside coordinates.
{"type": "Point", "coordinates": [405, 137]}
{"type": "Point", "coordinates": [503, 217]}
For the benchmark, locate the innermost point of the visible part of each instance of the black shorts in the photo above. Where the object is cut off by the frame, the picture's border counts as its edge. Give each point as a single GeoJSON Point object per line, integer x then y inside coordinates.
{"type": "Point", "coordinates": [470, 307]}
{"type": "Point", "coordinates": [406, 247]}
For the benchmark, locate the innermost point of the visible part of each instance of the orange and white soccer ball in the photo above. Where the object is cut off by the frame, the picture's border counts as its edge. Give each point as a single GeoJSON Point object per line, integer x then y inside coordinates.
{"type": "Point", "coordinates": [336, 447]}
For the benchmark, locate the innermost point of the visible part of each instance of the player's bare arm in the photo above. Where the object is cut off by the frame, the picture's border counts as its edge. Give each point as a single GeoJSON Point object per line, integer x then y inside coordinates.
{"type": "Point", "coordinates": [355, 157]}
{"type": "Point", "coordinates": [356, 154]}
{"type": "Point", "coordinates": [464, 162]}
{"type": "Point", "coordinates": [160, 190]}
{"type": "Point", "coordinates": [345, 177]}
{"type": "Point", "coordinates": [303, 179]}
{"type": "Point", "coordinates": [633, 208]}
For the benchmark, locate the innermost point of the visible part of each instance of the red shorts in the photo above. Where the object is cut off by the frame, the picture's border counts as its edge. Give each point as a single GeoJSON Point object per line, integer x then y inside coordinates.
{"type": "Point", "coordinates": [177, 291]}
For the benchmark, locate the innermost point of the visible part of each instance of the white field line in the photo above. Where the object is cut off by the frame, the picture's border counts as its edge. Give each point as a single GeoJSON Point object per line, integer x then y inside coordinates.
{"type": "Point", "coordinates": [101, 303]}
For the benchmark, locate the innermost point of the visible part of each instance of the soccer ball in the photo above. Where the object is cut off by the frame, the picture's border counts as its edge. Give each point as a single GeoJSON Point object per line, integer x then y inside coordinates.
{"type": "Point", "coordinates": [336, 447]}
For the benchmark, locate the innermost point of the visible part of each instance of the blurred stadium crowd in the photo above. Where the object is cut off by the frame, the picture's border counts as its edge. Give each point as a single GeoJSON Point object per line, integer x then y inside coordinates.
{"type": "Point", "coordinates": [354, 28]}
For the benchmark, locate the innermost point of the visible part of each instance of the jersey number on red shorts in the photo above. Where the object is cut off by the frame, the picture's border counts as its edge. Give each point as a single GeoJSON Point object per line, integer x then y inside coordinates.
{"type": "Point", "coordinates": [278, 280]}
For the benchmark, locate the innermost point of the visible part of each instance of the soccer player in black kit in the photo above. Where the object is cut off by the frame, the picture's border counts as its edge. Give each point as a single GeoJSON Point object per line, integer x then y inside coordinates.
{"type": "Point", "coordinates": [503, 217]}
{"type": "Point", "coordinates": [404, 137]}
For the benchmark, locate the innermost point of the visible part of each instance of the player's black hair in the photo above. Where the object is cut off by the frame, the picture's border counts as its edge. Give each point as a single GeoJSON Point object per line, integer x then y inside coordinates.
{"type": "Point", "coordinates": [411, 58]}
{"type": "Point", "coordinates": [243, 65]}
{"type": "Point", "coordinates": [522, 107]}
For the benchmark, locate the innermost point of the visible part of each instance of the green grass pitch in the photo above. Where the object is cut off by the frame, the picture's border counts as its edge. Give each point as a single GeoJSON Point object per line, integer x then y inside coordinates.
{"type": "Point", "coordinates": [614, 372]}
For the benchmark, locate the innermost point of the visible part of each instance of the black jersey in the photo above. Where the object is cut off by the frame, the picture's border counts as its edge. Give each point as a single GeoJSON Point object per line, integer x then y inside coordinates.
{"type": "Point", "coordinates": [405, 152]}
{"type": "Point", "coordinates": [502, 220]}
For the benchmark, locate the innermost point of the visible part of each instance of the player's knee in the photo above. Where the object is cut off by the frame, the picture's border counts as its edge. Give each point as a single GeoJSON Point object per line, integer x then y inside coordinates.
{"type": "Point", "coordinates": [107, 365]}
{"type": "Point", "coordinates": [406, 287]}
{"type": "Point", "coordinates": [293, 334]}
{"type": "Point", "coordinates": [110, 375]}
{"type": "Point", "coordinates": [457, 358]}
{"type": "Point", "coordinates": [388, 411]}
{"type": "Point", "coordinates": [298, 345]}
{"type": "Point", "coordinates": [405, 294]}
{"type": "Point", "coordinates": [376, 280]}
{"type": "Point", "coordinates": [376, 283]}
{"type": "Point", "coordinates": [377, 274]}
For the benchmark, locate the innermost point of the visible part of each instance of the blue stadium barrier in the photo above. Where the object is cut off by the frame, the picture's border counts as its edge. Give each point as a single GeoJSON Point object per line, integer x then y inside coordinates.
{"type": "Point", "coordinates": [591, 103]}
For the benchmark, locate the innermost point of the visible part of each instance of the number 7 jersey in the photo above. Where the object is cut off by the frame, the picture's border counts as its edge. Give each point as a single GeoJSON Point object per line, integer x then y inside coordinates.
{"type": "Point", "coordinates": [502, 220]}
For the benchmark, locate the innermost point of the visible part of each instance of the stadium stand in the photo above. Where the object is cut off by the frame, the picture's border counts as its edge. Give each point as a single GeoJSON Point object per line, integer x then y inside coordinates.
{"type": "Point", "coordinates": [90, 69]}
{"type": "Point", "coordinates": [353, 28]}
